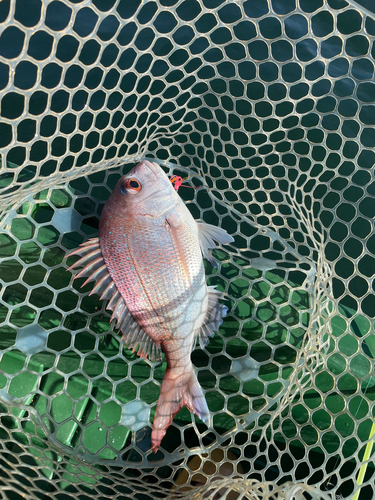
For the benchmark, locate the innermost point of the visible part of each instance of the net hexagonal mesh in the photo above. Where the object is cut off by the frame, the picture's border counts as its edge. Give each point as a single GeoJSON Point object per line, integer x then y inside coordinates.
{"type": "Point", "coordinates": [267, 107]}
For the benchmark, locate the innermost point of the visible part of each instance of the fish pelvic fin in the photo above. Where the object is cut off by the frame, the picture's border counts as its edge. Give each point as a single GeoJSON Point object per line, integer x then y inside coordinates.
{"type": "Point", "coordinates": [96, 270]}
{"type": "Point", "coordinates": [214, 316]}
{"type": "Point", "coordinates": [177, 390]}
{"type": "Point", "coordinates": [208, 234]}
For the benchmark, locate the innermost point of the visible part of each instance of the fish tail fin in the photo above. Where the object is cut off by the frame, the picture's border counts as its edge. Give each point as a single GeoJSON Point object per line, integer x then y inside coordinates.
{"type": "Point", "coordinates": [177, 391]}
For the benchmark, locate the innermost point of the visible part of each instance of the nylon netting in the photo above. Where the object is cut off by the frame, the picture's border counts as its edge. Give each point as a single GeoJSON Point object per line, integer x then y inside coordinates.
{"type": "Point", "coordinates": [267, 106]}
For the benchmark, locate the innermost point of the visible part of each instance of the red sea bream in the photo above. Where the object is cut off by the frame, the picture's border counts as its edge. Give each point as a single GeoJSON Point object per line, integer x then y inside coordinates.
{"type": "Point", "coordinates": [148, 260]}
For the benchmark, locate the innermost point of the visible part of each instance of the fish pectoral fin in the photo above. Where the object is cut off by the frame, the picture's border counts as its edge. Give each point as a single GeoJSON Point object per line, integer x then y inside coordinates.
{"type": "Point", "coordinates": [95, 270]}
{"type": "Point", "coordinates": [214, 316]}
{"type": "Point", "coordinates": [174, 220]}
{"type": "Point", "coordinates": [208, 234]}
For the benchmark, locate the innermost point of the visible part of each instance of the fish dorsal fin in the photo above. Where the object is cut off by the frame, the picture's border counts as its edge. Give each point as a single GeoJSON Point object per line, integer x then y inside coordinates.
{"type": "Point", "coordinates": [214, 316]}
{"type": "Point", "coordinates": [208, 234]}
{"type": "Point", "coordinates": [96, 270]}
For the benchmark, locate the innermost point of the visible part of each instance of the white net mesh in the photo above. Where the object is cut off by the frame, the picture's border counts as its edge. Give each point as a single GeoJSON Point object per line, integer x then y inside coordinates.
{"type": "Point", "coordinates": [268, 107]}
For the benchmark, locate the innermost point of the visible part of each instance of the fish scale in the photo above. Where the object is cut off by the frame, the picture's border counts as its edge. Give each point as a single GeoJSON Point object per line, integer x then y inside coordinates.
{"type": "Point", "coordinates": [148, 261]}
{"type": "Point", "coordinates": [133, 276]}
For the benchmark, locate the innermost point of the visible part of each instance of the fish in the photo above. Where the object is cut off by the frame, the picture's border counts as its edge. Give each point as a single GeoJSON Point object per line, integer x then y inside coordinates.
{"type": "Point", "coordinates": [148, 262]}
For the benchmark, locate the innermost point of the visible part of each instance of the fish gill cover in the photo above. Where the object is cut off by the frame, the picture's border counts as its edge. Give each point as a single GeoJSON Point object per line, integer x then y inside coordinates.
{"type": "Point", "coordinates": [267, 108]}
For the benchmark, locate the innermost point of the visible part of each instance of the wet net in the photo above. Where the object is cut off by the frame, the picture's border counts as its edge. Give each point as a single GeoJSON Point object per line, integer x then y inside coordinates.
{"type": "Point", "coordinates": [267, 108]}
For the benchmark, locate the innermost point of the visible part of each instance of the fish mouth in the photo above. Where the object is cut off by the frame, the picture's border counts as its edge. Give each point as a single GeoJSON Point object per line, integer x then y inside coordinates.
{"type": "Point", "coordinates": [156, 170]}
{"type": "Point", "coordinates": [160, 191]}
{"type": "Point", "coordinates": [153, 168]}
{"type": "Point", "coordinates": [162, 179]}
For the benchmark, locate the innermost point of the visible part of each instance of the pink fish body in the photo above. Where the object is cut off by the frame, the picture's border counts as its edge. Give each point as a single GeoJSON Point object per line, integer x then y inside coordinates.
{"type": "Point", "coordinates": [148, 261]}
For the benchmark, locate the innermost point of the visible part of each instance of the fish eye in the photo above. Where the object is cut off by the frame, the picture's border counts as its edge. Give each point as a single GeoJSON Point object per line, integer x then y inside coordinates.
{"type": "Point", "coordinates": [131, 185]}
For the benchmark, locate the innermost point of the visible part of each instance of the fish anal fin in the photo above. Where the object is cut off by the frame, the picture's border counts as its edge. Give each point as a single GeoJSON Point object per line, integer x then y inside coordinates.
{"type": "Point", "coordinates": [208, 234]}
{"type": "Point", "coordinates": [214, 316]}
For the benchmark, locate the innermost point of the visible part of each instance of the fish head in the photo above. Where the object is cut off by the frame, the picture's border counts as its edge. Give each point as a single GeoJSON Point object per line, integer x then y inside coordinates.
{"type": "Point", "coordinates": [145, 191]}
